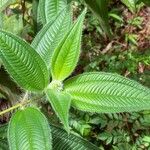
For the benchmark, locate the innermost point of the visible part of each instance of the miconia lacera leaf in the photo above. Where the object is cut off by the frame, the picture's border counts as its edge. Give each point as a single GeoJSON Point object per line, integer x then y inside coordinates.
{"type": "Point", "coordinates": [66, 55]}
{"type": "Point", "coordinates": [29, 130]}
{"type": "Point", "coordinates": [49, 9]}
{"type": "Point", "coordinates": [23, 63]}
{"type": "Point", "coordinates": [64, 141]}
{"type": "Point", "coordinates": [52, 34]}
{"type": "Point", "coordinates": [60, 102]}
{"type": "Point", "coordinates": [60, 139]}
{"type": "Point", "coordinates": [106, 92]}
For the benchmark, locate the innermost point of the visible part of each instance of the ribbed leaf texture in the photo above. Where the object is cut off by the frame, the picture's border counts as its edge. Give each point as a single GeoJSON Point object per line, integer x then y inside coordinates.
{"type": "Point", "coordinates": [61, 105]}
{"type": "Point", "coordinates": [49, 9]}
{"type": "Point", "coordinates": [100, 9]}
{"type": "Point", "coordinates": [51, 35]}
{"type": "Point", "coordinates": [23, 63]}
{"type": "Point", "coordinates": [106, 92]}
{"type": "Point", "coordinates": [63, 141]}
{"type": "Point", "coordinates": [66, 55]}
{"type": "Point", "coordinates": [29, 130]}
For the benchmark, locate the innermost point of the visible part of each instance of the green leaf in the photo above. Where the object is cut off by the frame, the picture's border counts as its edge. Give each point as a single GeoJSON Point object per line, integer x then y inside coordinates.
{"type": "Point", "coordinates": [16, 24]}
{"type": "Point", "coordinates": [4, 4]}
{"type": "Point", "coordinates": [66, 55]}
{"type": "Point", "coordinates": [23, 63]}
{"type": "Point", "coordinates": [100, 9]}
{"type": "Point", "coordinates": [3, 131]}
{"type": "Point", "coordinates": [131, 4]}
{"type": "Point", "coordinates": [3, 139]}
{"type": "Point", "coordinates": [49, 9]}
{"type": "Point", "coordinates": [106, 92]}
{"type": "Point", "coordinates": [3, 144]}
{"type": "Point", "coordinates": [63, 141]}
{"type": "Point", "coordinates": [29, 130]}
{"type": "Point", "coordinates": [61, 104]}
{"type": "Point", "coordinates": [51, 35]}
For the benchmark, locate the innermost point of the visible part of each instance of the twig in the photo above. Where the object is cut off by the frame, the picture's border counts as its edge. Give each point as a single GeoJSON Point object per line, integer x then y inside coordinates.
{"type": "Point", "coordinates": [15, 106]}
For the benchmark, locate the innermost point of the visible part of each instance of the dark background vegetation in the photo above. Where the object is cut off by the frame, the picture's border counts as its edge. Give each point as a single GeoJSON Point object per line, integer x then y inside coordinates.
{"type": "Point", "coordinates": [127, 53]}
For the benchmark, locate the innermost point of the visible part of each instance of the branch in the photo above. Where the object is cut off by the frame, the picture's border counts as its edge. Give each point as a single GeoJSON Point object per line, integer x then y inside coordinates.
{"type": "Point", "coordinates": [15, 106]}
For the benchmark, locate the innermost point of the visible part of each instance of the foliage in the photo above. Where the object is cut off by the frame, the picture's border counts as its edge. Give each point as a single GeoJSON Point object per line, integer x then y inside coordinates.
{"type": "Point", "coordinates": [100, 8]}
{"type": "Point", "coordinates": [114, 131]}
{"type": "Point", "coordinates": [29, 129]}
{"type": "Point", "coordinates": [41, 68]}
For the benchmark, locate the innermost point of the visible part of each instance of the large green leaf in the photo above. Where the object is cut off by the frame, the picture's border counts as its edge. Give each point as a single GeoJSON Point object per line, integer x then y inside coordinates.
{"type": "Point", "coordinates": [66, 55]}
{"type": "Point", "coordinates": [100, 9]}
{"type": "Point", "coordinates": [61, 105]}
{"type": "Point", "coordinates": [49, 9]}
{"type": "Point", "coordinates": [52, 34]}
{"type": "Point", "coordinates": [29, 130]}
{"type": "Point", "coordinates": [23, 63]}
{"type": "Point", "coordinates": [63, 141]}
{"type": "Point", "coordinates": [106, 92]}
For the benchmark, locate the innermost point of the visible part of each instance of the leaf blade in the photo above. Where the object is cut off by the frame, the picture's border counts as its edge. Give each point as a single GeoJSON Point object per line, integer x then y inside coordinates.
{"type": "Point", "coordinates": [49, 9]}
{"type": "Point", "coordinates": [29, 129]}
{"type": "Point", "coordinates": [72, 142]}
{"type": "Point", "coordinates": [66, 55]}
{"type": "Point", "coordinates": [51, 34]}
{"type": "Point", "coordinates": [60, 141]}
{"type": "Point", "coordinates": [23, 63]}
{"type": "Point", "coordinates": [105, 92]}
{"type": "Point", "coordinates": [61, 105]}
{"type": "Point", "coordinates": [131, 4]}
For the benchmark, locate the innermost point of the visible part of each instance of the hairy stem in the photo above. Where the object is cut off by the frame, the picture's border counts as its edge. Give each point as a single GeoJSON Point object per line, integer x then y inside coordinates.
{"type": "Point", "coordinates": [15, 107]}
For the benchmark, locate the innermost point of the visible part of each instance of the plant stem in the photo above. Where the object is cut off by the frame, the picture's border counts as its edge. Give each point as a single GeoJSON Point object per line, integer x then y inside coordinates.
{"type": "Point", "coordinates": [15, 106]}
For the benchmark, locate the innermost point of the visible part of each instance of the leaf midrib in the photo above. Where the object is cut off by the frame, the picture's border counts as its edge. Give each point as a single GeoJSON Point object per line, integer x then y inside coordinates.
{"type": "Point", "coordinates": [74, 94]}
{"type": "Point", "coordinates": [70, 86]}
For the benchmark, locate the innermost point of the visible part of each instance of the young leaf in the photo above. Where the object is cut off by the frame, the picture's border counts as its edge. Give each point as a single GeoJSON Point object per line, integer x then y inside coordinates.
{"type": "Point", "coordinates": [100, 9]}
{"type": "Point", "coordinates": [29, 130]}
{"type": "Point", "coordinates": [49, 9]}
{"type": "Point", "coordinates": [65, 56]}
{"type": "Point", "coordinates": [23, 63]}
{"type": "Point", "coordinates": [106, 92]}
{"type": "Point", "coordinates": [63, 141]}
{"type": "Point", "coordinates": [61, 105]}
{"type": "Point", "coordinates": [51, 34]}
